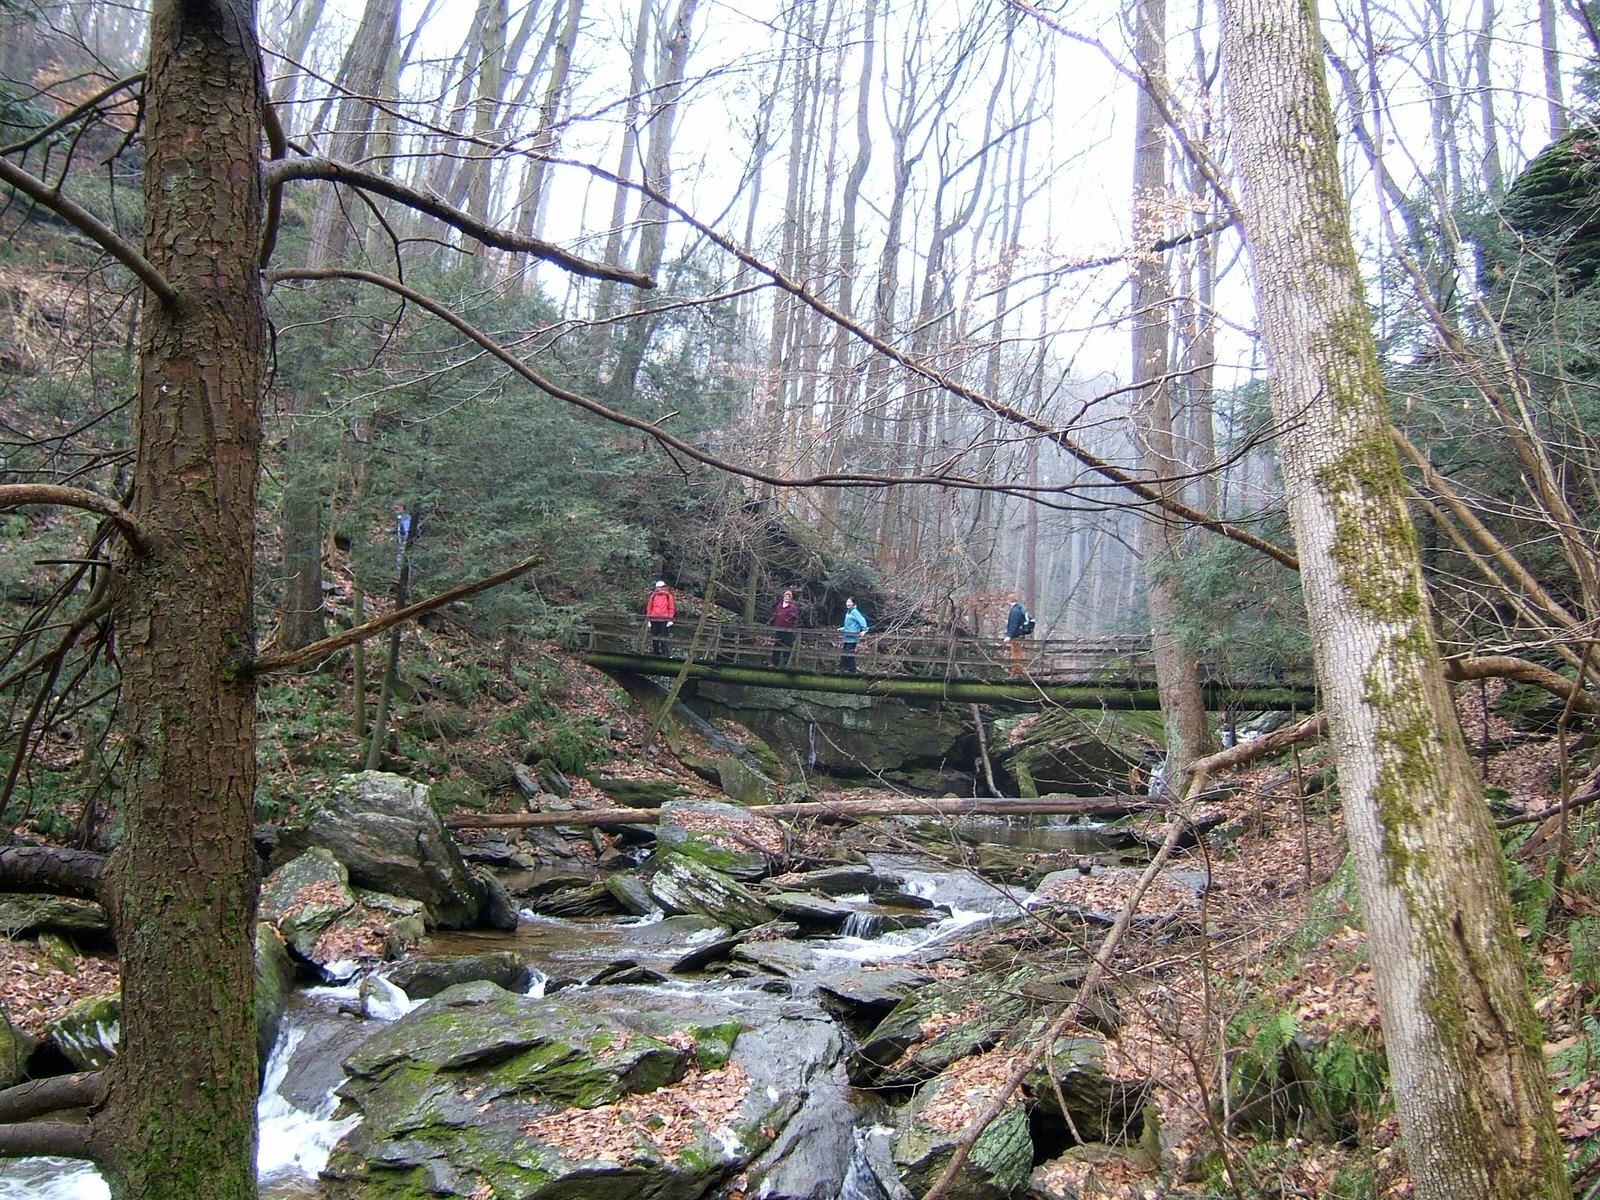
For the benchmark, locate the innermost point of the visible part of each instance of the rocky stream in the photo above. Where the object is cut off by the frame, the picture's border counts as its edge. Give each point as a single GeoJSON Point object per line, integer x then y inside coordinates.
{"type": "Point", "coordinates": [688, 1009]}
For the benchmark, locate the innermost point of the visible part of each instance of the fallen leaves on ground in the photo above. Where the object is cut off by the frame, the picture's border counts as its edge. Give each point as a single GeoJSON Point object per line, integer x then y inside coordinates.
{"type": "Point", "coordinates": [33, 991]}
{"type": "Point", "coordinates": [670, 1119]}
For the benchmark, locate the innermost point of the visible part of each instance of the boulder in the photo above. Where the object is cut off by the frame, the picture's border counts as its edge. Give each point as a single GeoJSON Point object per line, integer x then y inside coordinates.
{"type": "Point", "coordinates": [610, 1093]}
{"type": "Point", "coordinates": [929, 1127]}
{"type": "Point", "coordinates": [1099, 1109]}
{"type": "Point", "coordinates": [849, 736]}
{"type": "Point", "coordinates": [422, 978]}
{"type": "Point", "coordinates": [385, 831]}
{"type": "Point", "coordinates": [15, 1047]}
{"type": "Point", "coordinates": [738, 843]}
{"type": "Point", "coordinates": [330, 925]}
{"type": "Point", "coordinates": [25, 914]}
{"type": "Point", "coordinates": [744, 782]}
{"type": "Point", "coordinates": [939, 1024]}
{"type": "Point", "coordinates": [274, 982]}
{"type": "Point", "coordinates": [682, 885]}
{"type": "Point", "coordinates": [89, 1032]}
{"type": "Point", "coordinates": [1071, 751]}
{"type": "Point", "coordinates": [810, 908]}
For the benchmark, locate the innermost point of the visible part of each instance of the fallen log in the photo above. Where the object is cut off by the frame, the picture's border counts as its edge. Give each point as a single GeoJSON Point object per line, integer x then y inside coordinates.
{"type": "Point", "coordinates": [1084, 806]}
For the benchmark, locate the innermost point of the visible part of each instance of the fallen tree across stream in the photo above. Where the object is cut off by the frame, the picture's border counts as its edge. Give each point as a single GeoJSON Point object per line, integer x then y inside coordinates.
{"type": "Point", "coordinates": [1085, 806]}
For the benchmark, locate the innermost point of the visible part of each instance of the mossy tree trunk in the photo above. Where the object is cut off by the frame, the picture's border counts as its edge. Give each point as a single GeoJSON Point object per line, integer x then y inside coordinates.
{"type": "Point", "coordinates": [1464, 1048]}
{"type": "Point", "coordinates": [179, 1117]}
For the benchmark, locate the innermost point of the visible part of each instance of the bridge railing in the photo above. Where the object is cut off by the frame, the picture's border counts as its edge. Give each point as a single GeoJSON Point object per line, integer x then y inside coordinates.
{"type": "Point", "coordinates": [896, 653]}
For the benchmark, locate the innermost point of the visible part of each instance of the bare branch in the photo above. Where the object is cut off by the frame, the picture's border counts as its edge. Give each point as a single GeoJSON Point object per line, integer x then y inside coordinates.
{"type": "Point", "coordinates": [15, 495]}
{"type": "Point", "coordinates": [840, 479]}
{"type": "Point", "coordinates": [33, 1099]}
{"type": "Point", "coordinates": [103, 235]}
{"type": "Point", "coordinates": [319, 650]}
{"type": "Point", "coordinates": [1506, 666]}
{"type": "Point", "coordinates": [50, 869]}
{"type": "Point", "coordinates": [1147, 490]}
{"type": "Point", "coordinates": [73, 114]}
{"type": "Point", "coordinates": [280, 171]}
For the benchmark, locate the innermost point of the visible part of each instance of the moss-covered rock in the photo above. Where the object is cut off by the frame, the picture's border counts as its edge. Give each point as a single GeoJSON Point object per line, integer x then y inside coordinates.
{"type": "Point", "coordinates": [738, 843]}
{"type": "Point", "coordinates": [603, 1092]}
{"type": "Point", "coordinates": [89, 1032]}
{"type": "Point", "coordinates": [15, 1047]}
{"type": "Point", "coordinates": [385, 830]}
{"type": "Point", "coordinates": [929, 1127]}
{"type": "Point", "coordinates": [939, 1024]}
{"type": "Point", "coordinates": [25, 914]}
{"type": "Point", "coordinates": [274, 980]}
{"type": "Point", "coordinates": [682, 885]}
{"type": "Point", "coordinates": [1072, 751]}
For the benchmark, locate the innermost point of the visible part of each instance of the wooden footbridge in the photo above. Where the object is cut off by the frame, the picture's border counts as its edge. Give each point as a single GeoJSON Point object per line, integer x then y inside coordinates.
{"type": "Point", "coordinates": [1091, 672]}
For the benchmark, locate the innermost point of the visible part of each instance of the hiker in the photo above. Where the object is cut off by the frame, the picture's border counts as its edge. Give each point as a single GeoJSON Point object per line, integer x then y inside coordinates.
{"type": "Point", "coordinates": [659, 610]}
{"type": "Point", "coordinates": [785, 617]}
{"type": "Point", "coordinates": [402, 532]}
{"type": "Point", "coordinates": [1019, 624]}
{"type": "Point", "coordinates": [855, 624]}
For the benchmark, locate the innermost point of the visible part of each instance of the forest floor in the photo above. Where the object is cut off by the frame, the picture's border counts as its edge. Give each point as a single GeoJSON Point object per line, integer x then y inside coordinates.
{"type": "Point", "coordinates": [1278, 954]}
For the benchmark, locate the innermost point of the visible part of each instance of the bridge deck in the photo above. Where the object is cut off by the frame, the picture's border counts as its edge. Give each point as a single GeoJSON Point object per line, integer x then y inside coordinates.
{"type": "Point", "coordinates": [1116, 668]}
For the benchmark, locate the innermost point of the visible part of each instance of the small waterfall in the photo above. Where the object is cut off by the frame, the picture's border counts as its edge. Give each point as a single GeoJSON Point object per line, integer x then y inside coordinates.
{"type": "Point", "coordinates": [294, 1143]}
{"type": "Point", "coordinates": [862, 925]}
{"type": "Point", "coordinates": [811, 746]}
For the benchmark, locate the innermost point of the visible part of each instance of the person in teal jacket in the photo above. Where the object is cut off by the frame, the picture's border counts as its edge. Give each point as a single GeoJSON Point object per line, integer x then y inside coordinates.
{"type": "Point", "coordinates": [855, 624]}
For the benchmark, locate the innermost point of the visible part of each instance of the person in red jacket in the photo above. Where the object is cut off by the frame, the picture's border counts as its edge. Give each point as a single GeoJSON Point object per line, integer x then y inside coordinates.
{"type": "Point", "coordinates": [659, 610]}
{"type": "Point", "coordinates": [785, 617]}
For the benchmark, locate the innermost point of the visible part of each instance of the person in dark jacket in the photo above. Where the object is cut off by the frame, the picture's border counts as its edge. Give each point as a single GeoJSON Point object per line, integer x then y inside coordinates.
{"type": "Point", "coordinates": [660, 610]}
{"type": "Point", "coordinates": [785, 619]}
{"type": "Point", "coordinates": [1018, 625]}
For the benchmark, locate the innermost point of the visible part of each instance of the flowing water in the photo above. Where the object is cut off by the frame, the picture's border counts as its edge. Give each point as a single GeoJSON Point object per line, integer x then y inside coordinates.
{"type": "Point", "coordinates": [298, 1129]}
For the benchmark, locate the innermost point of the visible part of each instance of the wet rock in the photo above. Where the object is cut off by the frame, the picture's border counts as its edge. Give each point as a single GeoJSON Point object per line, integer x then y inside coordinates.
{"type": "Point", "coordinates": [274, 982]}
{"type": "Point", "coordinates": [782, 957]}
{"type": "Point", "coordinates": [721, 948]}
{"type": "Point", "coordinates": [499, 909]}
{"type": "Point", "coordinates": [89, 1032]}
{"type": "Point", "coordinates": [385, 831]}
{"type": "Point", "coordinates": [605, 1092]}
{"type": "Point", "coordinates": [589, 900]}
{"type": "Point", "coordinates": [860, 994]}
{"type": "Point", "coordinates": [422, 978]}
{"type": "Point", "coordinates": [809, 908]}
{"type": "Point", "coordinates": [630, 891]}
{"type": "Point", "coordinates": [849, 879]}
{"type": "Point", "coordinates": [682, 885]}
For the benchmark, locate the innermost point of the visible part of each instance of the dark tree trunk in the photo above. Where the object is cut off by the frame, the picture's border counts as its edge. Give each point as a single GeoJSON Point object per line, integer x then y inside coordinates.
{"type": "Point", "coordinates": [180, 1112]}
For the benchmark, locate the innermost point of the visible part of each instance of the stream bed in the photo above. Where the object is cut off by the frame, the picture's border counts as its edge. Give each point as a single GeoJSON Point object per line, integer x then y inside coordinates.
{"type": "Point", "coordinates": [297, 1122]}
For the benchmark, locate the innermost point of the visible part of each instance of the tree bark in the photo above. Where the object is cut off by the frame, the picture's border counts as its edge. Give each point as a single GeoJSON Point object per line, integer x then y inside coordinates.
{"type": "Point", "coordinates": [180, 1114]}
{"type": "Point", "coordinates": [1464, 1047]}
{"type": "Point", "coordinates": [1160, 537]}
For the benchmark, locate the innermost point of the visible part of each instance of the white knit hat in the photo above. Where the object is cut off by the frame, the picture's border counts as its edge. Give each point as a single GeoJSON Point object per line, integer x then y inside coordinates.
{"type": "Point", "coordinates": [661, 583]}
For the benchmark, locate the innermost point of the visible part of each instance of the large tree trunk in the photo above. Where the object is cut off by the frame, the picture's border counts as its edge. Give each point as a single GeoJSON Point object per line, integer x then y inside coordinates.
{"type": "Point", "coordinates": [1183, 709]}
{"type": "Point", "coordinates": [1464, 1048]}
{"type": "Point", "coordinates": [180, 1115]}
